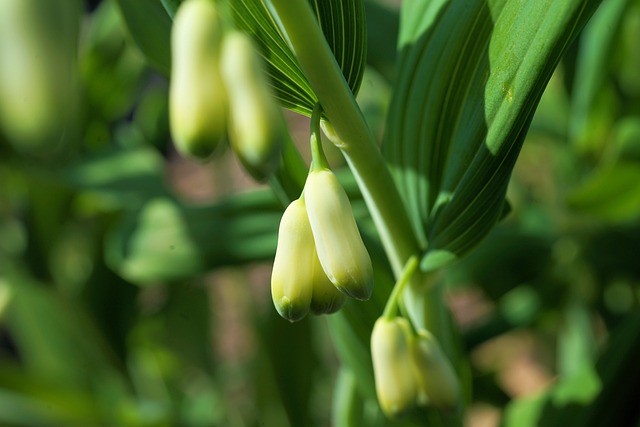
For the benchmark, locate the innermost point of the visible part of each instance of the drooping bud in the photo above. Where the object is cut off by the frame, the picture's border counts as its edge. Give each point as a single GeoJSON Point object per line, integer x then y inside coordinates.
{"type": "Point", "coordinates": [326, 298]}
{"type": "Point", "coordinates": [39, 84]}
{"type": "Point", "coordinates": [437, 381]}
{"type": "Point", "coordinates": [342, 253]}
{"type": "Point", "coordinates": [197, 97]}
{"type": "Point", "coordinates": [292, 275]}
{"type": "Point", "coordinates": [394, 373]}
{"type": "Point", "coordinates": [256, 124]}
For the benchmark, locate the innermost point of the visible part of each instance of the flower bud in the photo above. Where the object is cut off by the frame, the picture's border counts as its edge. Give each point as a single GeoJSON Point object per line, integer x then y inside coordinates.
{"type": "Point", "coordinates": [326, 298]}
{"type": "Point", "coordinates": [394, 374]}
{"type": "Point", "coordinates": [437, 381]}
{"type": "Point", "coordinates": [292, 275]}
{"type": "Point", "coordinates": [256, 124]}
{"type": "Point", "coordinates": [342, 253]}
{"type": "Point", "coordinates": [39, 85]}
{"type": "Point", "coordinates": [197, 97]}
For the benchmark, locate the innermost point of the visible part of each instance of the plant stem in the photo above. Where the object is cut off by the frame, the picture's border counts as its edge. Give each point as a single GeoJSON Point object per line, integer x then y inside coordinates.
{"type": "Point", "coordinates": [352, 135]}
{"type": "Point", "coordinates": [318, 159]}
{"type": "Point", "coordinates": [391, 308]}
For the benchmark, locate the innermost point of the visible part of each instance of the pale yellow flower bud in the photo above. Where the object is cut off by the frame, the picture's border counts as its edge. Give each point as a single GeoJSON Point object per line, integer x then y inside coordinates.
{"type": "Point", "coordinates": [197, 97]}
{"type": "Point", "coordinates": [394, 373]}
{"type": "Point", "coordinates": [292, 275]}
{"type": "Point", "coordinates": [256, 127]}
{"type": "Point", "coordinates": [437, 381]}
{"type": "Point", "coordinates": [326, 298]}
{"type": "Point", "coordinates": [39, 85]}
{"type": "Point", "coordinates": [342, 253]}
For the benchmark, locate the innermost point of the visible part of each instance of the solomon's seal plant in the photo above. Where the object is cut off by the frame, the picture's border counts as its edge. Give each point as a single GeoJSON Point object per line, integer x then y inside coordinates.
{"type": "Point", "coordinates": [146, 143]}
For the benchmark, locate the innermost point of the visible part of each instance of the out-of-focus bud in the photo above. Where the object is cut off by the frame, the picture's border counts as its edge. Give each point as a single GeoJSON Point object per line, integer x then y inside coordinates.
{"type": "Point", "coordinates": [437, 381]}
{"type": "Point", "coordinates": [394, 373]}
{"type": "Point", "coordinates": [326, 298]}
{"type": "Point", "coordinates": [292, 275]}
{"type": "Point", "coordinates": [342, 253]}
{"type": "Point", "coordinates": [39, 89]}
{"type": "Point", "coordinates": [256, 126]}
{"type": "Point", "coordinates": [197, 97]}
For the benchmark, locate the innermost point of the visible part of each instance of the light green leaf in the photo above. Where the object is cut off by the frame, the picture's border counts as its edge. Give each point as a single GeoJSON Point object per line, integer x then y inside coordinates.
{"type": "Point", "coordinates": [470, 76]}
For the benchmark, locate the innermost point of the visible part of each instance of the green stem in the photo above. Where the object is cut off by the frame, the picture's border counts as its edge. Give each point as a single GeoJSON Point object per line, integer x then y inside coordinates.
{"type": "Point", "coordinates": [348, 130]}
{"type": "Point", "coordinates": [318, 159]}
{"type": "Point", "coordinates": [352, 134]}
{"type": "Point", "coordinates": [391, 308]}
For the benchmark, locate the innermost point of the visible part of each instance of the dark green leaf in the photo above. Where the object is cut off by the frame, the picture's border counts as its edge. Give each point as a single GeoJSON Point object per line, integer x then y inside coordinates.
{"type": "Point", "coordinates": [573, 400]}
{"type": "Point", "coordinates": [150, 28]}
{"type": "Point", "coordinates": [343, 24]}
{"type": "Point", "coordinates": [611, 194]}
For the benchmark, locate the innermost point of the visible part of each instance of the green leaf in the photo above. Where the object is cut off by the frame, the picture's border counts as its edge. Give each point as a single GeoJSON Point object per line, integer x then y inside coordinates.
{"type": "Point", "coordinates": [612, 194]}
{"type": "Point", "coordinates": [150, 28]}
{"type": "Point", "coordinates": [166, 240]}
{"type": "Point", "coordinates": [597, 46]}
{"type": "Point", "coordinates": [470, 76]}
{"type": "Point", "coordinates": [343, 23]}
{"type": "Point", "coordinates": [289, 347]}
{"type": "Point", "coordinates": [126, 176]}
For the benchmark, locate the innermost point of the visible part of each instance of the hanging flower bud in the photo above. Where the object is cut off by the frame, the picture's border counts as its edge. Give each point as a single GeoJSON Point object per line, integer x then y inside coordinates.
{"type": "Point", "coordinates": [326, 298]}
{"type": "Point", "coordinates": [39, 85]}
{"type": "Point", "coordinates": [437, 381]}
{"type": "Point", "coordinates": [197, 98]}
{"type": "Point", "coordinates": [393, 371]}
{"type": "Point", "coordinates": [342, 253]}
{"type": "Point", "coordinates": [256, 126]}
{"type": "Point", "coordinates": [292, 275]}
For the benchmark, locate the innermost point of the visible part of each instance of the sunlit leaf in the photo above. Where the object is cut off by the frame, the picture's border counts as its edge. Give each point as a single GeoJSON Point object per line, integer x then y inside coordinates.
{"type": "Point", "coordinates": [457, 122]}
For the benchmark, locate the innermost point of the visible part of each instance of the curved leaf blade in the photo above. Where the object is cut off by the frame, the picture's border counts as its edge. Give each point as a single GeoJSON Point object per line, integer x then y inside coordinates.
{"type": "Point", "coordinates": [457, 121]}
{"type": "Point", "coordinates": [344, 25]}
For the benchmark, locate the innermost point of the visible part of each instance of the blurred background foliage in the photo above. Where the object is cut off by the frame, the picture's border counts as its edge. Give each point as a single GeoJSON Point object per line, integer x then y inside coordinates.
{"type": "Point", "coordinates": [134, 284]}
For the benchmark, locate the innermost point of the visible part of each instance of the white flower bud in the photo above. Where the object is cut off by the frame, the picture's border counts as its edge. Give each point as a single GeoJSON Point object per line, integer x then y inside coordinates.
{"type": "Point", "coordinates": [394, 373]}
{"type": "Point", "coordinates": [326, 298]}
{"type": "Point", "coordinates": [342, 253]}
{"type": "Point", "coordinates": [437, 381]}
{"type": "Point", "coordinates": [292, 275]}
{"type": "Point", "coordinates": [197, 97]}
{"type": "Point", "coordinates": [256, 127]}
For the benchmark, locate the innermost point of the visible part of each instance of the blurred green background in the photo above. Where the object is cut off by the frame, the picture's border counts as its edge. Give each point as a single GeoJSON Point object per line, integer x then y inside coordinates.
{"type": "Point", "coordinates": [134, 284]}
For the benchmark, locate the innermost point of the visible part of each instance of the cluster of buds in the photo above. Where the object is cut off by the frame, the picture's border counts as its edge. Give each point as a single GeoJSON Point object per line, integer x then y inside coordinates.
{"type": "Point", "coordinates": [320, 257]}
{"type": "Point", "coordinates": [410, 368]}
{"type": "Point", "coordinates": [219, 88]}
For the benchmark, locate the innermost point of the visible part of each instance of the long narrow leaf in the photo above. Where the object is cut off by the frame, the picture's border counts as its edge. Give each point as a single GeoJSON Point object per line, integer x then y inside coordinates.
{"type": "Point", "coordinates": [343, 24]}
{"type": "Point", "coordinates": [457, 121]}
